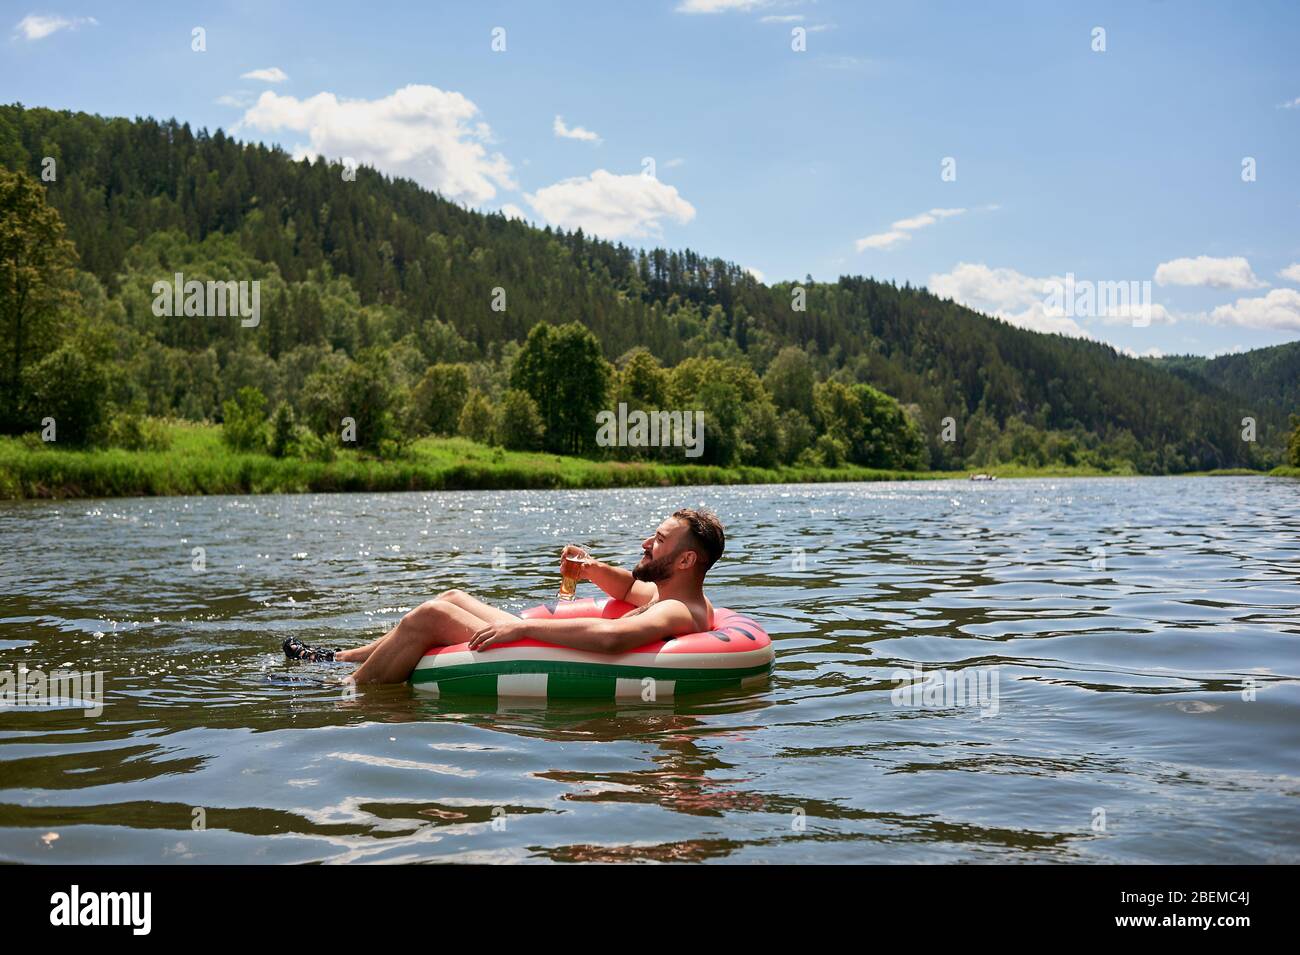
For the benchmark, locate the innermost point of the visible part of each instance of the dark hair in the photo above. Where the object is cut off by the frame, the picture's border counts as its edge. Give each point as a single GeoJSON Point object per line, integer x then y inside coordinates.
{"type": "Point", "coordinates": [710, 539]}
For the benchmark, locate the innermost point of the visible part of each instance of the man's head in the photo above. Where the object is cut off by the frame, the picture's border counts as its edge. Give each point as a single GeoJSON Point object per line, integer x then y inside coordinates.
{"type": "Point", "coordinates": [689, 542]}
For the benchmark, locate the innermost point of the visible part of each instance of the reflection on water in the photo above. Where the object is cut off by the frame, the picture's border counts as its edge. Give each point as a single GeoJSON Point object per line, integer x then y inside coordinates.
{"type": "Point", "coordinates": [1128, 624]}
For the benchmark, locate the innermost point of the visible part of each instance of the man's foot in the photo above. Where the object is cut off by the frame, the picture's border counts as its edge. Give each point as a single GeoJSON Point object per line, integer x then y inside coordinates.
{"type": "Point", "coordinates": [295, 649]}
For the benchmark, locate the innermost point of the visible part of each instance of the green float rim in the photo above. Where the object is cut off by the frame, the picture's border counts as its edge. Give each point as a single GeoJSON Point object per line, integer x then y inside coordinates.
{"type": "Point", "coordinates": [573, 680]}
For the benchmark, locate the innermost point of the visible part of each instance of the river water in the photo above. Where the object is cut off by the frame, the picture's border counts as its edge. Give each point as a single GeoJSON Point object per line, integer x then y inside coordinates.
{"type": "Point", "coordinates": [1130, 651]}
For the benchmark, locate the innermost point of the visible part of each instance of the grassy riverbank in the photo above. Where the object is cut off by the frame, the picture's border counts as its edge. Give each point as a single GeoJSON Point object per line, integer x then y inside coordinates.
{"type": "Point", "coordinates": [197, 462]}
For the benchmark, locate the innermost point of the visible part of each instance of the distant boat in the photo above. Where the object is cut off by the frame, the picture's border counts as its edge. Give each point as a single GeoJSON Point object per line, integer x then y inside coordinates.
{"type": "Point", "coordinates": [983, 477]}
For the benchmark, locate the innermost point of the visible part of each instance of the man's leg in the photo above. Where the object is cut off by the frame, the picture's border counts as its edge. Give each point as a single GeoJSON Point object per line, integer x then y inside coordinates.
{"type": "Point", "coordinates": [485, 612]}
{"type": "Point", "coordinates": [361, 654]}
{"type": "Point", "coordinates": [433, 623]}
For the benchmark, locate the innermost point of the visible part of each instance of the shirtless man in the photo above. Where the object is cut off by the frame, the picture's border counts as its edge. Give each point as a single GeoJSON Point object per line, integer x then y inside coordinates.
{"type": "Point", "coordinates": [667, 587]}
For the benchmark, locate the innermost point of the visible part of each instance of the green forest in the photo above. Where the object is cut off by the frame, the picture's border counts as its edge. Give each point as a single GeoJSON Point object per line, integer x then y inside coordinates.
{"type": "Point", "coordinates": [388, 313]}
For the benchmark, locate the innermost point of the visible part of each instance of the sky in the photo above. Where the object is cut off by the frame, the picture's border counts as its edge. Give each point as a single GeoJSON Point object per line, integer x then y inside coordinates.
{"type": "Point", "coordinates": [1128, 172]}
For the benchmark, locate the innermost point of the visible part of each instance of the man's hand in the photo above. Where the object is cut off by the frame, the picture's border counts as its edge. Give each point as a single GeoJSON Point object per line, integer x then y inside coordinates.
{"type": "Point", "coordinates": [495, 634]}
{"type": "Point", "coordinates": [574, 558]}
{"type": "Point", "coordinates": [666, 618]}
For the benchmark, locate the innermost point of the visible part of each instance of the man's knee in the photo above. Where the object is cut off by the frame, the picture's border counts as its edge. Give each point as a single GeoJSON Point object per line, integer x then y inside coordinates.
{"type": "Point", "coordinates": [427, 613]}
{"type": "Point", "coordinates": [452, 596]}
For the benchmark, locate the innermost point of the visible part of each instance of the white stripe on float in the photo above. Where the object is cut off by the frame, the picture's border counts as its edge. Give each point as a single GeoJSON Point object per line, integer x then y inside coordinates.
{"type": "Point", "coordinates": [521, 684]}
{"type": "Point", "coordinates": [676, 661]}
{"type": "Point", "coordinates": [633, 688]}
{"type": "Point", "coordinates": [460, 658]}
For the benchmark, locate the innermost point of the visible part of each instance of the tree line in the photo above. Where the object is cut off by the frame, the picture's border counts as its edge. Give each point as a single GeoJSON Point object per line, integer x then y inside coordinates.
{"type": "Point", "coordinates": [375, 277]}
{"type": "Point", "coordinates": [323, 371]}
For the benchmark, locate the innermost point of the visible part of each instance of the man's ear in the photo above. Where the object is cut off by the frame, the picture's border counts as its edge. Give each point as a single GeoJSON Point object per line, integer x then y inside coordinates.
{"type": "Point", "coordinates": [689, 558]}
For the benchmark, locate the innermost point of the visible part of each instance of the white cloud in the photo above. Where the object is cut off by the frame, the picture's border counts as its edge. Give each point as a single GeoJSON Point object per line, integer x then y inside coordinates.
{"type": "Point", "coordinates": [426, 134]}
{"type": "Point", "coordinates": [756, 273]}
{"type": "Point", "coordinates": [576, 132]}
{"type": "Point", "coordinates": [1038, 318]}
{"type": "Point", "coordinates": [272, 74]}
{"type": "Point", "coordinates": [674, 163]}
{"type": "Point", "coordinates": [611, 206]}
{"type": "Point", "coordinates": [927, 218]}
{"type": "Point", "coordinates": [1234, 272]}
{"type": "Point", "coordinates": [512, 211]}
{"type": "Point", "coordinates": [899, 231]}
{"type": "Point", "coordinates": [1149, 353]}
{"type": "Point", "coordinates": [239, 100]}
{"type": "Point", "coordinates": [1150, 313]}
{"type": "Point", "coordinates": [1278, 310]}
{"type": "Point", "coordinates": [1294, 104]}
{"type": "Point", "coordinates": [1291, 273]}
{"type": "Point", "coordinates": [1001, 288]}
{"type": "Point", "coordinates": [781, 18]}
{"type": "Point", "coordinates": [719, 6]}
{"type": "Point", "coordinates": [881, 240]}
{"type": "Point", "coordinates": [36, 27]}
{"type": "Point", "coordinates": [1027, 302]}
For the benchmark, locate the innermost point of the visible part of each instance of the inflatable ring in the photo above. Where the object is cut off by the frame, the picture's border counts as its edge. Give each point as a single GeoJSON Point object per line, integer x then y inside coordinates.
{"type": "Point", "coordinates": [735, 654]}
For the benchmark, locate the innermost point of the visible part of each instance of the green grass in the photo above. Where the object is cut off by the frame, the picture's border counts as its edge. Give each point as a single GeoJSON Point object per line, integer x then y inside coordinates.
{"type": "Point", "coordinates": [199, 463]}
{"type": "Point", "coordinates": [1225, 472]}
{"type": "Point", "coordinates": [1013, 471]}
{"type": "Point", "coordinates": [1285, 471]}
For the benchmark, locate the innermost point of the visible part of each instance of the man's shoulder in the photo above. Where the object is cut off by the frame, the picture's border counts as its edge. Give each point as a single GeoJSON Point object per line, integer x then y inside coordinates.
{"type": "Point", "coordinates": [700, 611]}
{"type": "Point", "coordinates": [678, 615]}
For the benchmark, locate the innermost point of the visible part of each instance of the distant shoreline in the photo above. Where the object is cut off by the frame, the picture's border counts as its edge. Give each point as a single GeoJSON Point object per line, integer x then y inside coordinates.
{"type": "Point", "coordinates": [197, 463]}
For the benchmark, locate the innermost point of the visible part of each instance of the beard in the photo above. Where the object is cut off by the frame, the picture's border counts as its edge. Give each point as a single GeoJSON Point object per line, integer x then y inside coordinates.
{"type": "Point", "coordinates": [652, 570]}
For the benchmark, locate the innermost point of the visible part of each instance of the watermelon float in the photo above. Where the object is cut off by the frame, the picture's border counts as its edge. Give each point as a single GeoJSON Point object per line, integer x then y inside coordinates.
{"type": "Point", "coordinates": [735, 654]}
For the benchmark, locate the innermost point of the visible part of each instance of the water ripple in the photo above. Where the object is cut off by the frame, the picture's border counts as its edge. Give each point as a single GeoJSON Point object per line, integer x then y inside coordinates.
{"type": "Point", "coordinates": [1143, 634]}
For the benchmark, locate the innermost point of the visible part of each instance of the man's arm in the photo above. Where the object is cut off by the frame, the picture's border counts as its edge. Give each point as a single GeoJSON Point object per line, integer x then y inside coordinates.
{"type": "Point", "coordinates": [669, 618]}
{"type": "Point", "coordinates": [618, 582]}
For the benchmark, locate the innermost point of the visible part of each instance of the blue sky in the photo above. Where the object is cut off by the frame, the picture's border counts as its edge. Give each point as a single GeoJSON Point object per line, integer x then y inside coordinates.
{"type": "Point", "coordinates": [1115, 165]}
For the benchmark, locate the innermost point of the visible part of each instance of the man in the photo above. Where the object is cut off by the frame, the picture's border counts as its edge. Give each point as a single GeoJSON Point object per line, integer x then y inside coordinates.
{"type": "Point", "coordinates": [667, 588]}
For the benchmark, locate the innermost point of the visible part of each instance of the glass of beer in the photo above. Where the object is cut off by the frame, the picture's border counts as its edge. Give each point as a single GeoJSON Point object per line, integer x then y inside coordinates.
{"type": "Point", "coordinates": [571, 561]}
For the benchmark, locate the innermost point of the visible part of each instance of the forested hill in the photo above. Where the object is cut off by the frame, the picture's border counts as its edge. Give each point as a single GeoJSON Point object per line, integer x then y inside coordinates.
{"type": "Point", "coordinates": [1266, 378]}
{"type": "Point", "coordinates": [347, 264]}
